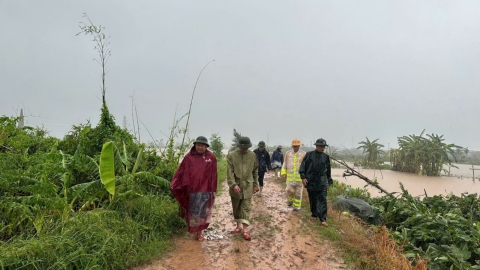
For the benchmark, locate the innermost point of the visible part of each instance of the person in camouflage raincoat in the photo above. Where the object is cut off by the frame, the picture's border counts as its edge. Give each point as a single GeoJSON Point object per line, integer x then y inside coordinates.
{"type": "Point", "coordinates": [242, 179]}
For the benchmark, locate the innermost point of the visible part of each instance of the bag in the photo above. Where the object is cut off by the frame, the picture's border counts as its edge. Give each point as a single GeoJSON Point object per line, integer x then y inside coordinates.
{"type": "Point", "coordinates": [276, 164]}
{"type": "Point", "coordinates": [358, 208]}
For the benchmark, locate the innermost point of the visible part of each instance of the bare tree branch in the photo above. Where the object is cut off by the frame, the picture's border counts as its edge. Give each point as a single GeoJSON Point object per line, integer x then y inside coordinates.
{"type": "Point", "coordinates": [350, 171]}
{"type": "Point", "coordinates": [153, 139]}
{"type": "Point", "coordinates": [191, 101]}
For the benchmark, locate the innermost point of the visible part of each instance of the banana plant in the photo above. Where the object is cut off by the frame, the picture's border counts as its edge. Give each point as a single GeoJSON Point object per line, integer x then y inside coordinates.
{"type": "Point", "coordinates": [107, 167]}
{"type": "Point", "coordinates": [88, 193]}
{"type": "Point", "coordinates": [425, 155]}
{"type": "Point", "coordinates": [373, 151]}
{"type": "Point", "coordinates": [116, 171]}
{"type": "Point", "coordinates": [112, 176]}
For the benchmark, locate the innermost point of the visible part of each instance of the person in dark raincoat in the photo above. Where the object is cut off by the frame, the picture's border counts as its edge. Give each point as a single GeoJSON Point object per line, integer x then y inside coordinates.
{"type": "Point", "coordinates": [315, 172]}
{"type": "Point", "coordinates": [242, 179]}
{"type": "Point", "coordinates": [277, 161]}
{"type": "Point", "coordinates": [264, 164]}
{"type": "Point", "coordinates": [194, 186]}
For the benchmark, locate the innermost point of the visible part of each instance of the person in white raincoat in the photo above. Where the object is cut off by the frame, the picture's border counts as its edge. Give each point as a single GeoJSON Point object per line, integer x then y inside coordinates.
{"type": "Point", "coordinates": [291, 164]}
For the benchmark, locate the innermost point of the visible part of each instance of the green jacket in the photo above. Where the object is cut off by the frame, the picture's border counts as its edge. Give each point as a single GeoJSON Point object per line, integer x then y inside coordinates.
{"type": "Point", "coordinates": [242, 170]}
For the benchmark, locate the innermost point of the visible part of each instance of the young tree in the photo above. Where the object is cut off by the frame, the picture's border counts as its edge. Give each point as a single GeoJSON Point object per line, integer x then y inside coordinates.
{"type": "Point", "coordinates": [236, 137]}
{"type": "Point", "coordinates": [106, 129]}
{"type": "Point", "coordinates": [216, 145]}
{"type": "Point", "coordinates": [102, 46]}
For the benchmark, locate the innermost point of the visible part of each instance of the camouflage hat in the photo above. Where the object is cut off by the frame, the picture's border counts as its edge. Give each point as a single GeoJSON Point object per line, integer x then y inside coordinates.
{"type": "Point", "coordinates": [244, 142]}
{"type": "Point", "coordinates": [201, 139]}
{"type": "Point", "coordinates": [261, 144]}
{"type": "Point", "coordinates": [321, 142]}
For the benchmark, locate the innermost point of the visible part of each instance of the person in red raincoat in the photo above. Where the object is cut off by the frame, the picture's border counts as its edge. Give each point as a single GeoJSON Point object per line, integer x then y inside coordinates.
{"type": "Point", "coordinates": [194, 186]}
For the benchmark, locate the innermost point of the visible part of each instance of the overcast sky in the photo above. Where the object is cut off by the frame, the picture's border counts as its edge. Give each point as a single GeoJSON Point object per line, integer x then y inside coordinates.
{"type": "Point", "coordinates": [340, 70]}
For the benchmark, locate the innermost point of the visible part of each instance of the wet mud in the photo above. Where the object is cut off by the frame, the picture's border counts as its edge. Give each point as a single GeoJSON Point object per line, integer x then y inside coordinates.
{"type": "Point", "coordinates": [281, 239]}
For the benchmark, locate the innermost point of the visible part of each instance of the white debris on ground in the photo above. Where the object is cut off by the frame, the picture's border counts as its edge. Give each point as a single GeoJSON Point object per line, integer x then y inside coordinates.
{"type": "Point", "coordinates": [213, 234]}
{"type": "Point", "coordinates": [285, 209]}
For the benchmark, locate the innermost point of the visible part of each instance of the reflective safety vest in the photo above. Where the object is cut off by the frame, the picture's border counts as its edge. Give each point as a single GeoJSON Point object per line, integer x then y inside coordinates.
{"type": "Point", "coordinates": [291, 165]}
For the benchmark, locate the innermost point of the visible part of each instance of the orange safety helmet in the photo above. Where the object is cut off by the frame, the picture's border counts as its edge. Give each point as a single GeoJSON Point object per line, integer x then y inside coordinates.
{"type": "Point", "coordinates": [296, 142]}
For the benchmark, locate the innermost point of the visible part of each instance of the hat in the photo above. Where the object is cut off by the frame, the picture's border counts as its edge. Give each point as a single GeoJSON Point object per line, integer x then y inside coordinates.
{"type": "Point", "coordinates": [244, 142]}
{"type": "Point", "coordinates": [296, 142]}
{"type": "Point", "coordinates": [261, 144]}
{"type": "Point", "coordinates": [279, 147]}
{"type": "Point", "coordinates": [201, 139]}
{"type": "Point", "coordinates": [321, 142]}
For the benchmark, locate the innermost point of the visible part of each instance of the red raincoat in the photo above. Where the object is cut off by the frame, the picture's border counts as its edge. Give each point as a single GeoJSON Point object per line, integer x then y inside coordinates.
{"type": "Point", "coordinates": [194, 186]}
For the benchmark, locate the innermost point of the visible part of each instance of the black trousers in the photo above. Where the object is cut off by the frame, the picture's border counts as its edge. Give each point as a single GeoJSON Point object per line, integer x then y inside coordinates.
{"type": "Point", "coordinates": [261, 175]}
{"type": "Point", "coordinates": [318, 202]}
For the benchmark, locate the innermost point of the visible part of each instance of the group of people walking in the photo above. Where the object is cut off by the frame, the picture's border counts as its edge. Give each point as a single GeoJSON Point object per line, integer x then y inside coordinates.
{"type": "Point", "coordinates": [194, 185]}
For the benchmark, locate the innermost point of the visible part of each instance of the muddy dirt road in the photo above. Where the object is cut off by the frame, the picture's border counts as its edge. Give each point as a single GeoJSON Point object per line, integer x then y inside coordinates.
{"type": "Point", "coordinates": [281, 239]}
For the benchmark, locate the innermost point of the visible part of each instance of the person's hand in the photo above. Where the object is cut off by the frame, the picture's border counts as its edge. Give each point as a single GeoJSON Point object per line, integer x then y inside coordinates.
{"type": "Point", "coordinates": [305, 182]}
{"type": "Point", "coordinates": [236, 189]}
{"type": "Point", "coordinates": [255, 189]}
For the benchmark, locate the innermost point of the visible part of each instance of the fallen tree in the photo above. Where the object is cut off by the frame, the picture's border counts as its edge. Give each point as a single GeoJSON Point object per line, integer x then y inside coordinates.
{"type": "Point", "coordinates": [350, 171]}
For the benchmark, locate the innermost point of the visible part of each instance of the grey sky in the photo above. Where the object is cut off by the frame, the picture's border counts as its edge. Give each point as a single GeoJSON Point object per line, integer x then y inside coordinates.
{"type": "Point", "coordinates": [341, 70]}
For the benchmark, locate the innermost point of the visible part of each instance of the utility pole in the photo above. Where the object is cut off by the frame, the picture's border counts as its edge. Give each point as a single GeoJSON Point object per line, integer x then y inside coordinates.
{"type": "Point", "coordinates": [124, 122]}
{"type": "Point", "coordinates": [21, 122]}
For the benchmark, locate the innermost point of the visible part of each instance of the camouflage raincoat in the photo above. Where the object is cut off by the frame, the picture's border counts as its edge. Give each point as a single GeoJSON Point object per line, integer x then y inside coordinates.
{"type": "Point", "coordinates": [242, 170]}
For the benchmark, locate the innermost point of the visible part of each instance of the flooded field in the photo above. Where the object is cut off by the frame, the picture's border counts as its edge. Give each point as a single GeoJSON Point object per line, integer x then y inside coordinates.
{"type": "Point", "coordinates": [416, 184]}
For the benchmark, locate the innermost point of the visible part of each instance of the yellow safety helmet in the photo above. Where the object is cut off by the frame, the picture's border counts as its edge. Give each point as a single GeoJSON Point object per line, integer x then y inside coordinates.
{"type": "Point", "coordinates": [296, 142]}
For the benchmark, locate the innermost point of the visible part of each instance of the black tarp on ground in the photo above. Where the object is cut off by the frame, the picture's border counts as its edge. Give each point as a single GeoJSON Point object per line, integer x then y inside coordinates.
{"type": "Point", "coordinates": [358, 208]}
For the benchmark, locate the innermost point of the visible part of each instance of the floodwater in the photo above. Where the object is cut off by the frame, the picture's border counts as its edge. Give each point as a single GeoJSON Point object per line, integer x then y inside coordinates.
{"type": "Point", "coordinates": [416, 185]}
{"type": "Point", "coordinates": [463, 170]}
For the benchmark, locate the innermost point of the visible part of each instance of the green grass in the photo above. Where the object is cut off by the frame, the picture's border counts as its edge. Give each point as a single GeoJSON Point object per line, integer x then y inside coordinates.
{"type": "Point", "coordinates": [330, 233]}
{"type": "Point", "coordinates": [333, 233]}
{"type": "Point", "coordinates": [354, 239]}
{"type": "Point", "coordinates": [222, 174]}
{"type": "Point", "coordinates": [138, 231]}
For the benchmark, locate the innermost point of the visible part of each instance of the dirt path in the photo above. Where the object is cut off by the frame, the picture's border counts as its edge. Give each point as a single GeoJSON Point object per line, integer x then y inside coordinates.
{"type": "Point", "coordinates": [280, 239]}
